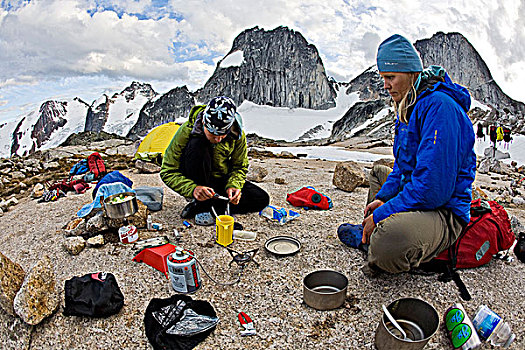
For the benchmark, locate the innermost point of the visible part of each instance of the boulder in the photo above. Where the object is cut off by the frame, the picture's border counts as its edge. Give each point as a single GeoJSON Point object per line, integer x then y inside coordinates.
{"type": "Point", "coordinates": [97, 223]}
{"type": "Point", "coordinates": [94, 242]}
{"type": "Point", "coordinates": [74, 245]}
{"type": "Point", "coordinates": [147, 167]}
{"type": "Point", "coordinates": [256, 173]}
{"type": "Point", "coordinates": [490, 152]}
{"type": "Point", "coordinates": [493, 165]}
{"type": "Point", "coordinates": [11, 278]}
{"type": "Point", "coordinates": [38, 191]}
{"type": "Point", "coordinates": [17, 175]}
{"type": "Point", "coordinates": [38, 297]}
{"type": "Point", "coordinates": [76, 227]}
{"type": "Point", "coordinates": [280, 181]}
{"type": "Point", "coordinates": [348, 176]}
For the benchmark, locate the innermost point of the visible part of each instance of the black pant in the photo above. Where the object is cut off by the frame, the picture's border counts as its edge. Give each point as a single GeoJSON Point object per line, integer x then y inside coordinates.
{"type": "Point", "coordinates": [196, 163]}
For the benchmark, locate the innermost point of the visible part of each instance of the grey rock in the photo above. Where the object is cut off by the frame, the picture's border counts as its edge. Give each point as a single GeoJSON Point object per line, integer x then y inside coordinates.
{"type": "Point", "coordinates": [97, 223]}
{"type": "Point", "coordinates": [146, 167]}
{"type": "Point", "coordinates": [38, 297]}
{"type": "Point", "coordinates": [17, 175]}
{"type": "Point", "coordinates": [51, 165]}
{"type": "Point", "coordinates": [11, 278]}
{"type": "Point", "coordinates": [518, 200]}
{"type": "Point", "coordinates": [96, 241]}
{"type": "Point", "coordinates": [489, 152]}
{"type": "Point", "coordinates": [38, 190]}
{"type": "Point", "coordinates": [348, 176]}
{"type": "Point", "coordinates": [488, 165]}
{"type": "Point", "coordinates": [74, 245]}
{"type": "Point", "coordinates": [280, 181]}
{"type": "Point", "coordinates": [31, 163]}
{"type": "Point", "coordinates": [4, 205]}
{"type": "Point", "coordinates": [256, 173]}
{"type": "Point", "coordinates": [76, 227]}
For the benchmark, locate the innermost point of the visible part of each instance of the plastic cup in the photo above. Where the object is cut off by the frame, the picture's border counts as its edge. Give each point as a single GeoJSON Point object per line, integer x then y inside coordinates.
{"type": "Point", "coordinates": [224, 229]}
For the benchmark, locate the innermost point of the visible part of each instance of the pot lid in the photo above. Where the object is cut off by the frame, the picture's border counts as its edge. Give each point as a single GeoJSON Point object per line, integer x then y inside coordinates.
{"type": "Point", "coordinates": [282, 245]}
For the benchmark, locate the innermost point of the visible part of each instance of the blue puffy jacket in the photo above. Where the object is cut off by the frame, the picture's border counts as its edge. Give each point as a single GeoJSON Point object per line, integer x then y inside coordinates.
{"type": "Point", "coordinates": [435, 163]}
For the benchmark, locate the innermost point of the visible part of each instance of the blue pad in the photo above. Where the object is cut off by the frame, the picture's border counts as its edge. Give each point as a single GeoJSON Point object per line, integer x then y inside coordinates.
{"type": "Point", "coordinates": [350, 235]}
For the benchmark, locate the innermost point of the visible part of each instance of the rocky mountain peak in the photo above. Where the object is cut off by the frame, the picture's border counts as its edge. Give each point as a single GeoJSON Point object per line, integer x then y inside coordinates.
{"type": "Point", "coordinates": [465, 66]}
{"type": "Point", "coordinates": [278, 68]}
{"type": "Point", "coordinates": [130, 92]}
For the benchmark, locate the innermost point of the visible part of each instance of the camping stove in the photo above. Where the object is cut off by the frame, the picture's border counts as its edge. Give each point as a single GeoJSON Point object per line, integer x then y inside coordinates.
{"type": "Point", "coordinates": [243, 258]}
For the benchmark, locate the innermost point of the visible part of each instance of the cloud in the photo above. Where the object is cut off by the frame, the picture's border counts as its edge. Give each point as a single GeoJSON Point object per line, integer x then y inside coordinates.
{"type": "Point", "coordinates": [178, 42]}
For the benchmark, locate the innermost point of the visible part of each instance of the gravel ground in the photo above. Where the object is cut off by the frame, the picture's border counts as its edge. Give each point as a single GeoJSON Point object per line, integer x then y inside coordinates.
{"type": "Point", "coordinates": [271, 294]}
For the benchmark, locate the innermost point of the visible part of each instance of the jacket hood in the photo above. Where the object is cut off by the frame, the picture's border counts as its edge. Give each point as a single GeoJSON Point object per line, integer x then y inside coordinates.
{"type": "Point", "coordinates": [435, 78]}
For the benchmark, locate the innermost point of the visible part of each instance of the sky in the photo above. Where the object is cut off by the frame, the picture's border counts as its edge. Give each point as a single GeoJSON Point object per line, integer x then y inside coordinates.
{"type": "Point", "coordinates": [59, 49]}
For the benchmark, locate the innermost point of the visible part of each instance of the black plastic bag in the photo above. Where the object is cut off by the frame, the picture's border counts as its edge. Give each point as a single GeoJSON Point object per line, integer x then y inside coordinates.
{"type": "Point", "coordinates": [178, 322]}
{"type": "Point", "coordinates": [95, 295]}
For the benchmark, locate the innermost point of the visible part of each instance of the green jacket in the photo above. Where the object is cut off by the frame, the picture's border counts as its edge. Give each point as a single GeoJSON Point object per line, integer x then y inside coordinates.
{"type": "Point", "coordinates": [229, 159]}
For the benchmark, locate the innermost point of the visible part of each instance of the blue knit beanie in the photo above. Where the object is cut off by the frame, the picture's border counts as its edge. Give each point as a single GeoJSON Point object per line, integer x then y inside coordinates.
{"type": "Point", "coordinates": [397, 54]}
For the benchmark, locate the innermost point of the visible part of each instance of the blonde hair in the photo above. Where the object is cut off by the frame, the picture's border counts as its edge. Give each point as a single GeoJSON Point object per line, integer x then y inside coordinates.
{"type": "Point", "coordinates": [408, 100]}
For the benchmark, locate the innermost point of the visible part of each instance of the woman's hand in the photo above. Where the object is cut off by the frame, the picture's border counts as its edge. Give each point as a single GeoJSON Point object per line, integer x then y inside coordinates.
{"type": "Point", "coordinates": [234, 194]}
{"type": "Point", "coordinates": [202, 193]}
{"type": "Point", "coordinates": [368, 227]}
{"type": "Point", "coordinates": [373, 206]}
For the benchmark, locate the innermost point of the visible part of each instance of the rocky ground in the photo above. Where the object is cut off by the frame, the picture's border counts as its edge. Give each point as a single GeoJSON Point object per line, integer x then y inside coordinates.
{"type": "Point", "coordinates": [271, 293]}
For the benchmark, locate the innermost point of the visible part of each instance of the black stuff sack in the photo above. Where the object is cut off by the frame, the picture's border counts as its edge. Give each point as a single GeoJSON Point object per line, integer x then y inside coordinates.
{"type": "Point", "coordinates": [178, 322]}
{"type": "Point", "coordinates": [94, 294]}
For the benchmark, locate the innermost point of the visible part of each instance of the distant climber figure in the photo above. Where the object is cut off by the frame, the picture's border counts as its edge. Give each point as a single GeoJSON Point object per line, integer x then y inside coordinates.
{"type": "Point", "coordinates": [480, 134]}
{"type": "Point", "coordinates": [499, 133]}
{"type": "Point", "coordinates": [492, 134]}
{"type": "Point", "coordinates": [506, 138]}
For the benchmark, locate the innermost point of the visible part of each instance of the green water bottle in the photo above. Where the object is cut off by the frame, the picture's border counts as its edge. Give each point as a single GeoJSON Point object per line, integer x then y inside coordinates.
{"type": "Point", "coordinates": [460, 329]}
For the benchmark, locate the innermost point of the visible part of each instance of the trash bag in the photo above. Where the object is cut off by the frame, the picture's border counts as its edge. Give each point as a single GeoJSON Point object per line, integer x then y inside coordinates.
{"type": "Point", "coordinates": [178, 322]}
{"type": "Point", "coordinates": [94, 294]}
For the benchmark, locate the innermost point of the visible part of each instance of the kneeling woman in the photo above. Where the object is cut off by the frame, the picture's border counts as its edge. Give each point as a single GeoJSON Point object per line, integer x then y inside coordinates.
{"type": "Point", "coordinates": [424, 203]}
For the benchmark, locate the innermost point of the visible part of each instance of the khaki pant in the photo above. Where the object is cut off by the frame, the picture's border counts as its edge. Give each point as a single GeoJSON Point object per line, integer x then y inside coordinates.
{"type": "Point", "coordinates": [404, 240]}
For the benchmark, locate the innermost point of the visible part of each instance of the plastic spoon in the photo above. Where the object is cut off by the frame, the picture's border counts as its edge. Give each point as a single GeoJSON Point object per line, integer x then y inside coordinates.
{"type": "Point", "coordinates": [394, 322]}
{"type": "Point", "coordinates": [215, 213]}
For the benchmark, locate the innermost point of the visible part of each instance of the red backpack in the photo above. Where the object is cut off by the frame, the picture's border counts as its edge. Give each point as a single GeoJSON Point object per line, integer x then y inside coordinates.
{"type": "Point", "coordinates": [487, 233]}
{"type": "Point", "coordinates": [96, 165]}
{"type": "Point", "coordinates": [309, 198]}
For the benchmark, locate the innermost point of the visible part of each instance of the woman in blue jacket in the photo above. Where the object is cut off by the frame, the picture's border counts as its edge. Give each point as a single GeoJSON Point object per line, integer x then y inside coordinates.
{"type": "Point", "coordinates": [424, 203]}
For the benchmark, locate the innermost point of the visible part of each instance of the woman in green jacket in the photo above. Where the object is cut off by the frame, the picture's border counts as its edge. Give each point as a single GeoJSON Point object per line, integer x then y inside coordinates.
{"type": "Point", "coordinates": [207, 156]}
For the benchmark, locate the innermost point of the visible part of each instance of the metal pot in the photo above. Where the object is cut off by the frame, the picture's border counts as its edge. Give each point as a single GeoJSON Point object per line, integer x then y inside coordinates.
{"type": "Point", "coordinates": [419, 320]}
{"type": "Point", "coordinates": [324, 289]}
{"type": "Point", "coordinates": [122, 209]}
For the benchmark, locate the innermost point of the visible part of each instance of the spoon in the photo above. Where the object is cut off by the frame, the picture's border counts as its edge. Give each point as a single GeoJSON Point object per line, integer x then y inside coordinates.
{"type": "Point", "coordinates": [394, 322]}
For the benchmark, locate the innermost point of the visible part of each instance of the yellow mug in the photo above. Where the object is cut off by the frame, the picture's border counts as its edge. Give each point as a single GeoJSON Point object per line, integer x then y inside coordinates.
{"type": "Point", "coordinates": [224, 229]}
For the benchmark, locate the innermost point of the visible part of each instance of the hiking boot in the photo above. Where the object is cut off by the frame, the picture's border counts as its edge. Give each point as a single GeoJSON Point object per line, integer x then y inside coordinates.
{"type": "Point", "coordinates": [350, 235]}
{"type": "Point", "coordinates": [189, 210]}
{"type": "Point", "coordinates": [370, 270]}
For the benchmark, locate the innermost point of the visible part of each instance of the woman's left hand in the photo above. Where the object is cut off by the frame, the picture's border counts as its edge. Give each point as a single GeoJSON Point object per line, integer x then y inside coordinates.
{"type": "Point", "coordinates": [234, 194]}
{"type": "Point", "coordinates": [368, 227]}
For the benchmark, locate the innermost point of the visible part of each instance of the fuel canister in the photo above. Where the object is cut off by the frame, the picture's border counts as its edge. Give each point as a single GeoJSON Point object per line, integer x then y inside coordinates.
{"type": "Point", "coordinates": [183, 271]}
